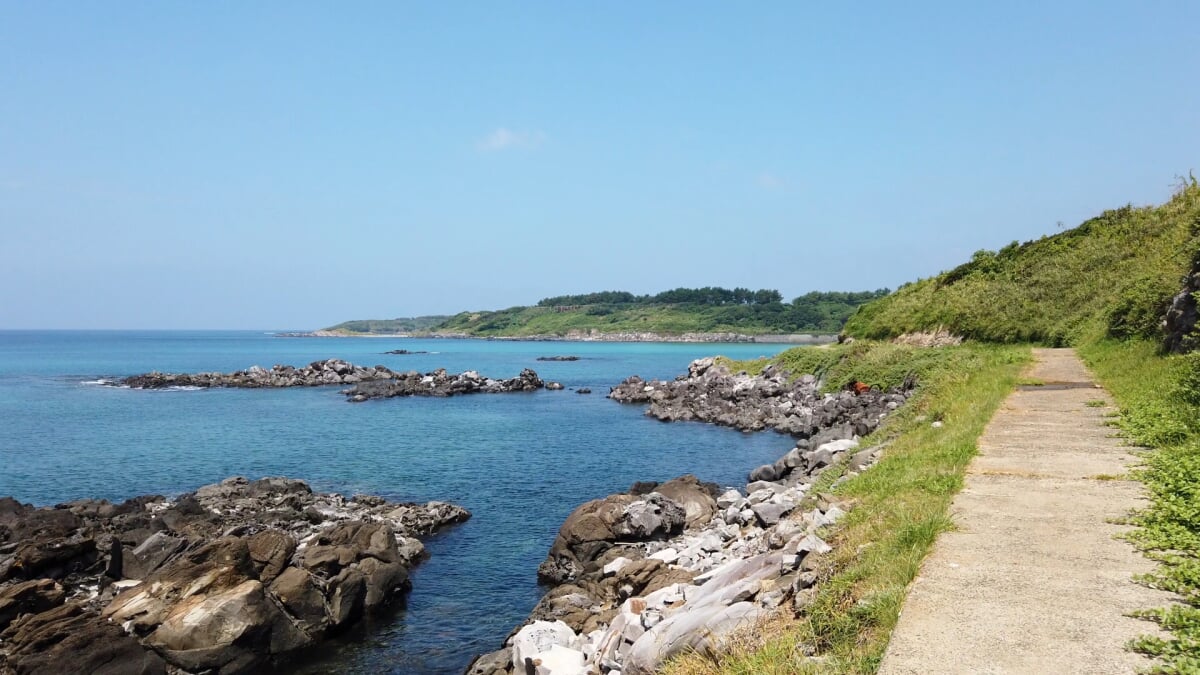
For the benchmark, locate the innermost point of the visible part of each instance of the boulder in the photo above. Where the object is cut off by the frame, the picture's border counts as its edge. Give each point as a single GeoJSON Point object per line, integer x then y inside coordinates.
{"type": "Point", "coordinates": [538, 638]}
{"type": "Point", "coordinates": [697, 499]}
{"type": "Point", "coordinates": [704, 631]}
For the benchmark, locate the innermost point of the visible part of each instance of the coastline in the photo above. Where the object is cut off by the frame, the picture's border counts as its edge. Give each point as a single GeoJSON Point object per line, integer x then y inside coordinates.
{"type": "Point", "coordinates": [593, 336]}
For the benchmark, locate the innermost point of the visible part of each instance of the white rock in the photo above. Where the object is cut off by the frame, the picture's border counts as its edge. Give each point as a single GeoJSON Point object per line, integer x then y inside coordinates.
{"type": "Point", "coordinates": [760, 496]}
{"type": "Point", "coordinates": [838, 446]}
{"type": "Point", "coordinates": [733, 515]}
{"type": "Point", "coordinates": [538, 637]}
{"type": "Point", "coordinates": [665, 597]}
{"type": "Point", "coordinates": [763, 485]}
{"type": "Point", "coordinates": [701, 629]}
{"type": "Point", "coordinates": [616, 566]}
{"type": "Point", "coordinates": [560, 660]}
{"type": "Point", "coordinates": [813, 544]}
{"type": "Point", "coordinates": [834, 514]}
{"type": "Point", "coordinates": [728, 498]}
{"type": "Point", "coordinates": [667, 555]}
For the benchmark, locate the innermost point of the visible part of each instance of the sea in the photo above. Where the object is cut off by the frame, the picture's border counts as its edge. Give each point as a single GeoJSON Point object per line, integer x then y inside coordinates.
{"type": "Point", "coordinates": [519, 462]}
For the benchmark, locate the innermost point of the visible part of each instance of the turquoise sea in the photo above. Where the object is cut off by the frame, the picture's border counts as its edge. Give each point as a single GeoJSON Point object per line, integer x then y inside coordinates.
{"type": "Point", "coordinates": [519, 462]}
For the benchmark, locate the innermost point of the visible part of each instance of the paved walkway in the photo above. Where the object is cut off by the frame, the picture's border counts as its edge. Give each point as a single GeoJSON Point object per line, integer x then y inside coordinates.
{"type": "Point", "coordinates": [1032, 580]}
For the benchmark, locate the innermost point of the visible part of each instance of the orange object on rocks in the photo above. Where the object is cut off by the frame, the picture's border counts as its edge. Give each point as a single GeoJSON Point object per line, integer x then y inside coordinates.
{"type": "Point", "coordinates": [861, 387]}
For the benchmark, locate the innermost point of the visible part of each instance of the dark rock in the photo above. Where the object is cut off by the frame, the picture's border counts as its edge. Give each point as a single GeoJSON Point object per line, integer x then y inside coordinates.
{"type": "Point", "coordinates": [158, 548]}
{"type": "Point", "coordinates": [68, 639]}
{"type": "Point", "coordinates": [583, 390]}
{"type": "Point", "coordinates": [300, 597]}
{"type": "Point", "coordinates": [222, 588]}
{"type": "Point", "coordinates": [270, 550]}
{"type": "Point", "coordinates": [368, 382]}
{"type": "Point", "coordinates": [699, 500]}
{"type": "Point", "coordinates": [1179, 322]}
{"type": "Point", "coordinates": [596, 526]}
{"type": "Point", "coordinates": [765, 472]}
{"type": "Point", "coordinates": [558, 358]}
{"type": "Point", "coordinates": [28, 597]}
{"type": "Point", "coordinates": [493, 663]}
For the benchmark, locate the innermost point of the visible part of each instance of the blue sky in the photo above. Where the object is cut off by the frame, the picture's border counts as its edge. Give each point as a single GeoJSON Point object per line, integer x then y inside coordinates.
{"type": "Point", "coordinates": [292, 165]}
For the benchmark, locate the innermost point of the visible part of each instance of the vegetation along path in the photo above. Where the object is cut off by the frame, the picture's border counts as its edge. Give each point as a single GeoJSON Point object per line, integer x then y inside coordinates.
{"type": "Point", "coordinates": [1033, 579]}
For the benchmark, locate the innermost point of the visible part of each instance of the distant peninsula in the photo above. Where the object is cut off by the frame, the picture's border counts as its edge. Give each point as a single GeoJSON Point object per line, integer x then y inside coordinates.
{"type": "Point", "coordinates": [709, 314]}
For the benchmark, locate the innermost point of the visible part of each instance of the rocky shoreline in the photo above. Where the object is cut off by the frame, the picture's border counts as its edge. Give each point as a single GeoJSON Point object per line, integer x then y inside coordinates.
{"type": "Point", "coordinates": [231, 578]}
{"type": "Point", "coordinates": [368, 382]}
{"type": "Point", "coordinates": [664, 569]}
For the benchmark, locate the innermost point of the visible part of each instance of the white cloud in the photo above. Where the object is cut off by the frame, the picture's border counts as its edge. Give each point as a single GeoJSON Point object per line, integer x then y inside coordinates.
{"type": "Point", "coordinates": [506, 139]}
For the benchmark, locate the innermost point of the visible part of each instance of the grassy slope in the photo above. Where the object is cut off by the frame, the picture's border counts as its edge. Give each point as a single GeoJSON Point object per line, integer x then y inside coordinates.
{"type": "Point", "coordinates": [388, 326]}
{"type": "Point", "coordinates": [1101, 288]}
{"type": "Point", "coordinates": [1053, 290]}
{"type": "Point", "coordinates": [665, 319]}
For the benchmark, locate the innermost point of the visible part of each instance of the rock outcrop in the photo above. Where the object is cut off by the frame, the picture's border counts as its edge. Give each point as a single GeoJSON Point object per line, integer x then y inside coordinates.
{"type": "Point", "coordinates": [368, 382]}
{"type": "Point", "coordinates": [1179, 323]}
{"type": "Point", "coordinates": [440, 383]}
{"type": "Point", "coordinates": [772, 400]}
{"type": "Point", "coordinates": [229, 578]}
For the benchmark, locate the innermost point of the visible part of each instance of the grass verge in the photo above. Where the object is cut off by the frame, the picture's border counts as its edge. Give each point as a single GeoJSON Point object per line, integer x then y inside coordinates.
{"type": "Point", "coordinates": [901, 507]}
{"type": "Point", "coordinates": [1160, 409]}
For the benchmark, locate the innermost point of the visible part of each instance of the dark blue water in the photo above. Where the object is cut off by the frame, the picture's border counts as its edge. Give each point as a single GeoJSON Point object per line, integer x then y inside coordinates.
{"type": "Point", "coordinates": [519, 462]}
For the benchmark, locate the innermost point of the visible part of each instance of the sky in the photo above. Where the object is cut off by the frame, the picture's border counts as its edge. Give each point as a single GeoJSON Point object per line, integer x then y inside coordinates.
{"type": "Point", "coordinates": [292, 165]}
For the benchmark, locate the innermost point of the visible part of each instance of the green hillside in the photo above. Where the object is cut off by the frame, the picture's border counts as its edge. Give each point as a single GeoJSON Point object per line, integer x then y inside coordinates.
{"type": "Point", "coordinates": [1113, 274]}
{"type": "Point", "coordinates": [673, 312]}
{"type": "Point", "coordinates": [416, 324]}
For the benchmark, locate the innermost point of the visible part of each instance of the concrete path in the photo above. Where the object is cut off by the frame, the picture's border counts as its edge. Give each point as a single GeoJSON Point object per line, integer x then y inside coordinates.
{"type": "Point", "coordinates": [1032, 580]}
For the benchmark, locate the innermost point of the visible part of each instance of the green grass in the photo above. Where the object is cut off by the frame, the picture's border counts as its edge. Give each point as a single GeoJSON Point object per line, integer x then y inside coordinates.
{"type": "Point", "coordinates": [1159, 410]}
{"type": "Point", "coordinates": [882, 365]}
{"type": "Point", "coordinates": [901, 504]}
{"type": "Point", "coordinates": [1118, 270]}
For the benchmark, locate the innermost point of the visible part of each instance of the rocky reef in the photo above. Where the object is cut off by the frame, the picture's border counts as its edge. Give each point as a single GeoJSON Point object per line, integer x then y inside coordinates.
{"type": "Point", "coordinates": [231, 578]}
{"type": "Point", "coordinates": [368, 382]}
{"type": "Point", "coordinates": [664, 569]}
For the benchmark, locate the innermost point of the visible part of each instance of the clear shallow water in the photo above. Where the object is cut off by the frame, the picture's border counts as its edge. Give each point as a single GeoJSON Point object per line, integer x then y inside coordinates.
{"type": "Point", "coordinates": [519, 462]}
